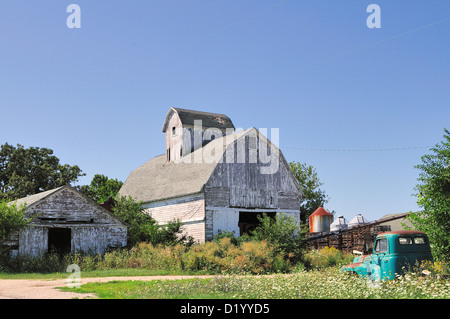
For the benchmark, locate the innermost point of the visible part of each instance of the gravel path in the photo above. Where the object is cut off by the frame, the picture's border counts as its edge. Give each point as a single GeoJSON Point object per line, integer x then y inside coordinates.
{"type": "Point", "coordinates": [45, 289]}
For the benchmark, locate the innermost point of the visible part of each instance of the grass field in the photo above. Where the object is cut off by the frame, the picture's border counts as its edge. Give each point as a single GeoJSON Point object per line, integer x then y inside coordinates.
{"type": "Point", "coordinates": [324, 284]}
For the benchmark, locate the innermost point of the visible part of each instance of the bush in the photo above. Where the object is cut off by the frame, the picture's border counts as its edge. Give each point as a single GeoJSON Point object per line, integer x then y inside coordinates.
{"type": "Point", "coordinates": [171, 234]}
{"type": "Point", "coordinates": [25, 264]}
{"type": "Point", "coordinates": [12, 218]}
{"type": "Point", "coordinates": [284, 232]}
{"type": "Point", "coordinates": [143, 228]}
{"type": "Point", "coordinates": [326, 257]}
{"type": "Point", "coordinates": [256, 257]}
{"type": "Point", "coordinates": [238, 241]}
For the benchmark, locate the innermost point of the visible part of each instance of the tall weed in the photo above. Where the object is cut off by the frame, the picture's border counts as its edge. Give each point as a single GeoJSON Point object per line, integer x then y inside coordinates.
{"type": "Point", "coordinates": [326, 257]}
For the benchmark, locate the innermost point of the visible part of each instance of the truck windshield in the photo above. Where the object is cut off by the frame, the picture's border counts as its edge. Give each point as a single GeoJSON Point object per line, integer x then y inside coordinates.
{"type": "Point", "coordinates": [381, 245]}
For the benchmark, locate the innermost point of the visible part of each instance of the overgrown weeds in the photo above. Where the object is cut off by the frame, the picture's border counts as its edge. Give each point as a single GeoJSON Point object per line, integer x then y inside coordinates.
{"type": "Point", "coordinates": [254, 257]}
{"type": "Point", "coordinates": [326, 257]}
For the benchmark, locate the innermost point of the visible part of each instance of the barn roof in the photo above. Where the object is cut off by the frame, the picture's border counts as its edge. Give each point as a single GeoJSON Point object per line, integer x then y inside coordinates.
{"type": "Point", "coordinates": [187, 117]}
{"type": "Point", "coordinates": [396, 224]}
{"type": "Point", "coordinates": [159, 179]}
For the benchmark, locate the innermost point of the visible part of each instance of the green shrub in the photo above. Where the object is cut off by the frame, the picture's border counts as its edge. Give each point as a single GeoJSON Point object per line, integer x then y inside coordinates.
{"type": "Point", "coordinates": [26, 264]}
{"type": "Point", "coordinates": [326, 257]}
{"type": "Point", "coordinates": [256, 257]}
{"type": "Point", "coordinates": [284, 232]}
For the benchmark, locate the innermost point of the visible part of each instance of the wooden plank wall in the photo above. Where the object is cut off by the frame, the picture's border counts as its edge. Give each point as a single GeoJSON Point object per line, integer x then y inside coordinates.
{"type": "Point", "coordinates": [92, 227]}
{"type": "Point", "coordinates": [190, 210]}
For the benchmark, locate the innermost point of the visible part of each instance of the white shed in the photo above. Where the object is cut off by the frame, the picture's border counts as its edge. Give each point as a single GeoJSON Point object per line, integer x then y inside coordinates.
{"type": "Point", "coordinates": [64, 220]}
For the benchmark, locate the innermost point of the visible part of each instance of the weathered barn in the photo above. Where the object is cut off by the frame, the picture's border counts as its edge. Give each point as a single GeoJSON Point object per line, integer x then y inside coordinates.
{"type": "Point", "coordinates": [64, 220]}
{"type": "Point", "coordinates": [213, 178]}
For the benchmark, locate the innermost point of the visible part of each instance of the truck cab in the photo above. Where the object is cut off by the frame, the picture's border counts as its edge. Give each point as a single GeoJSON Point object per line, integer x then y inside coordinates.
{"type": "Point", "coordinates": [394, 252]}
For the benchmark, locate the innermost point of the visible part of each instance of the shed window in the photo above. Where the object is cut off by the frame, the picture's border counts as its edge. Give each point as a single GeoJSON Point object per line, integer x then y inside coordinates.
{"type": "Point", "coordinates": [381, 246]}
{"type": "Point", "coordinates": [405, 240]}
{"type": "Point", "coordinates": [420, 240]}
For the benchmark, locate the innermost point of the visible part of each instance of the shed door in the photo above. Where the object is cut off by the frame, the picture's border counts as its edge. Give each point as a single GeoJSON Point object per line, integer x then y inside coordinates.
{"type": "Point", "coordinates": [59, 240]}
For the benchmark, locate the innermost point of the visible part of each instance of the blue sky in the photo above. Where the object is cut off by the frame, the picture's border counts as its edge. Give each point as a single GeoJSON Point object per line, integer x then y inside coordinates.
{"type": "Point", "coordinates": [337, 90]}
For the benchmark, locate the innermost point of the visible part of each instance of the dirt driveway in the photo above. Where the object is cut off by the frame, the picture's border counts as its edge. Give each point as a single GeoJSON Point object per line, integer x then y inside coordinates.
{"type": "Point", "coordinates": [45, 289]}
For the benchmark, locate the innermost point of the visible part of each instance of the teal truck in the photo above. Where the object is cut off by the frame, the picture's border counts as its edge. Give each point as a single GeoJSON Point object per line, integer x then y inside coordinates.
{"type": "Point", "coordinates": [394, 252]}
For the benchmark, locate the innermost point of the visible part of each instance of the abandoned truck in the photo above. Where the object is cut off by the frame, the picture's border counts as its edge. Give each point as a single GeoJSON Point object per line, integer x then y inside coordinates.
{"type": "Point", "coordinates": [394, 253]}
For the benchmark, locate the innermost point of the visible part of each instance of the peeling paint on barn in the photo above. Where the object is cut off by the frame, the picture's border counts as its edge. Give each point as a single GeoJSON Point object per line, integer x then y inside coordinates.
{"type": "Point", "coordinates": [64, 220]}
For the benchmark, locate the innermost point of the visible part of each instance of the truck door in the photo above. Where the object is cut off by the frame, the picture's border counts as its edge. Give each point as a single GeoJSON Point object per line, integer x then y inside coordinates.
{"type": "Point", "coordinates": [380, 259]}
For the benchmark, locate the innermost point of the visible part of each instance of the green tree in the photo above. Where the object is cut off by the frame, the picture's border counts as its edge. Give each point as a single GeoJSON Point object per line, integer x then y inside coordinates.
{"type": "Point", "coordinates": [314, 197]}
{"type": "Point", "coordinates": [433, 196]}
{"type": "Point", "coordinates": [143, 228]}
{"type": "Point", "coordinates": [12, 218]}
{"type": "Point", "coordinates": [171, 234]}
{"type": "Point", "coordinates": [101, 188]}
{"type": "Point", "coordinates": [27, 171]}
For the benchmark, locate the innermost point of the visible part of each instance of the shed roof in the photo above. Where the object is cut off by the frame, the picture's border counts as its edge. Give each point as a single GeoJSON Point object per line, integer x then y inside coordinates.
{"type": "Point", "coordinates": [187, 117]}
{"type": "Point", "coordinates": [36, 198]}
{"type": "Point", "coordinates": [30, 200]}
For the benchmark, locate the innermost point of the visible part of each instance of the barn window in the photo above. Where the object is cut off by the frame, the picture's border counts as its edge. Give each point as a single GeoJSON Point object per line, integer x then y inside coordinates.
{"type": "Point", "coordinates": [252, 143]}
{"type": "Point", "coordinates": [174, 130]}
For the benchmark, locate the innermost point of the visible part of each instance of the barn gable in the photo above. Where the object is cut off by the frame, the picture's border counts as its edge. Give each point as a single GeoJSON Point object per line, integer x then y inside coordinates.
{"type": "Point", "coordinates": [242, 186]}
{"type": "Point", "coordinates": [248, 182]}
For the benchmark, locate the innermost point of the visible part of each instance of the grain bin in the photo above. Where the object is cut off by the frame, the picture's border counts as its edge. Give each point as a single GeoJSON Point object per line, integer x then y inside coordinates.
{"type": "Point", "coordinates": [320, 220]}
{"type": "Point", "coordinates": [358, 220]}
{"type": "Point", "coordinates": [339, 224]}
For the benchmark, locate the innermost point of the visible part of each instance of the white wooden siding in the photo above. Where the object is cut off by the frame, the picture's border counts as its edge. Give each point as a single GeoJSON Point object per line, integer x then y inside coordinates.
{"type": "Point", "coordinates": [190, 210]}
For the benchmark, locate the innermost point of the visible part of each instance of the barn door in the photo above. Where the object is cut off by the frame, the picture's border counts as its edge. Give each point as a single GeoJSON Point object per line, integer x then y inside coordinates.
{"type": "Point", "coordinates": [59, 240]}
{"type": "Point", "coordinates": [248, 221]}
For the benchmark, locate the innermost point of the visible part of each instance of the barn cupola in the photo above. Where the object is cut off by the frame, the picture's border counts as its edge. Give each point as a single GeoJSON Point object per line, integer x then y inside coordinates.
{"type": "Point", "coordinates": [188, 130]}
